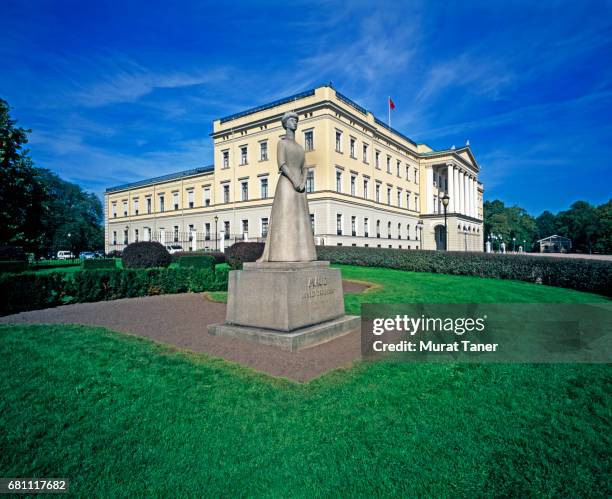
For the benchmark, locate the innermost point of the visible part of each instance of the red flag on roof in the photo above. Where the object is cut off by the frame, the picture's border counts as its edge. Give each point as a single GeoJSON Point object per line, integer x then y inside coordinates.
{"type": "Point", "coordinates": [391, 104]}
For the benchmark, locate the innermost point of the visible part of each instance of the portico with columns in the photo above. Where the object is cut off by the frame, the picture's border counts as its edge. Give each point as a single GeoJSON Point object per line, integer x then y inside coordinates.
{"type": "Point", "coordinates": [453, 173]}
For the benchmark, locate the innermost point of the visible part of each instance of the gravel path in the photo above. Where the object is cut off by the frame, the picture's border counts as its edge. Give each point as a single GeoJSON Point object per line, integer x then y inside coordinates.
{"type": "Point", "coordinates": [182, 320]}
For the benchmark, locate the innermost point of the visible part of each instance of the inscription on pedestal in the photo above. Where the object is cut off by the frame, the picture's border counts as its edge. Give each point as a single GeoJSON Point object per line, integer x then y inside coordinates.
{"type": "Point", "coordinates": [317, 286]}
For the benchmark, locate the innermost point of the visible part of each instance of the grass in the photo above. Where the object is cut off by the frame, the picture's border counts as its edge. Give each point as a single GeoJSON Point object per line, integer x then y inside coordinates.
{"type": "Point", "coordinates": [126, 416]}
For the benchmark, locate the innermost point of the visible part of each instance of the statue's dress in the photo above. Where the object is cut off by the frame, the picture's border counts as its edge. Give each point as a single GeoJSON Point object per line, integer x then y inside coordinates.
{"type": "Point", "coordinates": [290, 238]}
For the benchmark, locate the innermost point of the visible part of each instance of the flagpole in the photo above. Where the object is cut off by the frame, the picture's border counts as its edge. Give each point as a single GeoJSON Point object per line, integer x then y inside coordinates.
{"type": "Point", "coordinates": [389, 109]}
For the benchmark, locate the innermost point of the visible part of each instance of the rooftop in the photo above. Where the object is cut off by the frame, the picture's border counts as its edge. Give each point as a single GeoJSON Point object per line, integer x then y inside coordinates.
{"type": "Point", "coordinates": [163, 178]}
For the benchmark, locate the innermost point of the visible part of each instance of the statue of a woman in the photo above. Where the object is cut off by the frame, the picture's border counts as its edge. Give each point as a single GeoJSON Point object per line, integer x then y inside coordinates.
{"type": "Point", "coordinates": [290, 238]}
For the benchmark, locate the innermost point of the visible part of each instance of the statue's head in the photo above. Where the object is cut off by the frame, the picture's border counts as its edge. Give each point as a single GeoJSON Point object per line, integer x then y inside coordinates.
{"type": "Point", "coordinates": [290, 120]}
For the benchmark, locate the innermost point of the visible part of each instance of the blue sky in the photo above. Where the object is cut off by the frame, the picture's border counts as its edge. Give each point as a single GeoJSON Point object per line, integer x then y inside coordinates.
{"type": "Point", "coordinates": [120, 91]}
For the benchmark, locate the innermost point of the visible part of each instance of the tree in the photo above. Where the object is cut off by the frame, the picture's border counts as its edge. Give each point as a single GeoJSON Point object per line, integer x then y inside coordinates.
{"type": "Point", "coordinates": [580, 224]}
{"type": "Point", "coordinates": [509, 222]}
{"type": "Point", "coordinates": [604, 239]}
{"type": "Point", "coordinates": [546, 225]}
{"type": "Point", "coordinates": [20, 190]}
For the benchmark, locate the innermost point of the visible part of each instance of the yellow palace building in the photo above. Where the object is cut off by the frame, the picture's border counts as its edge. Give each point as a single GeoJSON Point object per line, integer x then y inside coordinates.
{"type": "Point", "coordinates": [367, 183]}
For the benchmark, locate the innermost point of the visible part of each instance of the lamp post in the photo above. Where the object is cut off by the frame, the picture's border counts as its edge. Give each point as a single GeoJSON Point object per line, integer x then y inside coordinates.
{"type": "Point", "coordinates": [420, 226]}
{"type": "Point", "coordinates": [513, 245]}
{"type": "Point", "coordinates": [70, 244]}
{"type": "Point", "coordinates": [445, 201]}
{"type": "Point", "coordinates": [216, 237]}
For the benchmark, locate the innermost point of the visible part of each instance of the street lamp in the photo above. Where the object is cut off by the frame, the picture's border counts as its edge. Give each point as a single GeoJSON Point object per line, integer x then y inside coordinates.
{"type": "Point", "coordinates": [70, 243]}
{"type": "Point", "coordinates": [513, 244]}
{"type": "Point", "coordinates": [445, 201]}
{"type": "Point", "coordinates": [216, 238]}
{"type": "Point", "coordinates": [420, 227]}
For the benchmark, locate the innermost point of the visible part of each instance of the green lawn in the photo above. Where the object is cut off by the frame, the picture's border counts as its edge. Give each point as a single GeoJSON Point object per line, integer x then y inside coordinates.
{"type": "Point", "coordinates": [123, 416]}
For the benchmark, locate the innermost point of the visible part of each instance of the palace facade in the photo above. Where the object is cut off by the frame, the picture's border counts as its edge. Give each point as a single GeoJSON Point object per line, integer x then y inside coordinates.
{"type": "Point", "coordinates": [367, 183]}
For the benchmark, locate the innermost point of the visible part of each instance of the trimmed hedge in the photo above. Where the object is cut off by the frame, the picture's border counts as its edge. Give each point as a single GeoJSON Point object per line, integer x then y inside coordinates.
{"type": "Point", "coordinates": [197, 261]}
{"type": "Point", "coordinates": [12, 253]}
{"type": "Point", "coordinates": [144, 255]}
{"type": "Point", "coordinates": [13, 266]}
{"type": "Point", "coordinates": [592, 276]}
{"type": "Point", "coordinates": [98, 263]}
{"type": "Point", "coordinates": [239, 253]}
{"type": "Point", "coordinates": [218, 257]}
{"type": "Point", "coordinates": [22, 292]}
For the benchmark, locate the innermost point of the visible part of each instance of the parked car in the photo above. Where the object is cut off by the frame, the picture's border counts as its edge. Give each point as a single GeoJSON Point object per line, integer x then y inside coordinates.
{"type": "Point", "coordinates": [64, 255]}
{"type": "Point", "coordinates": [87, 255]}
{"type": "Point", "coordinates": [174, 248]}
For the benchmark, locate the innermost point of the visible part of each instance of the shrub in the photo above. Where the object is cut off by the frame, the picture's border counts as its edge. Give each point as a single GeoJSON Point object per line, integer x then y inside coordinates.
{"type": "Point", "coordinates": [30, 291]}
{"type": "Point", "coordinates": [218, 257]}
{"type": "Point", "coordinates": [13, 266]}
{"type": "Point", "coordinates": [98, 263]}
{"type": "Point", "coordinates": [239, 253]}
{"type": "Point", "coordinates": [13, 253]}
{"type": "Point", "coordinates": [580, 274]}
{"type": "Point", "coordinates": [197, 261]}
{"type": "Point", "coordinates": [144, 255]}
{"type": "Point", "coordinates": [113, 254]}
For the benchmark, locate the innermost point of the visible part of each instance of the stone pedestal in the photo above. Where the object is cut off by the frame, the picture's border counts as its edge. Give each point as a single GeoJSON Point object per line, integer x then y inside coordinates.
{"type": "Point", "coordinates": [289, 305]}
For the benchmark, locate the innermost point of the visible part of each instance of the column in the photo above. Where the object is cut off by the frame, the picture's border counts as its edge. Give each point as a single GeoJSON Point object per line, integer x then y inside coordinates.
{"type": "Point", "coordinates": [457, 193]}
{"type": "Point", "coordinates": [222, 241]}
{"type": "Point", "coordinates": [466, 204]}
{"type": "Point", "coordinates": [451, 188]}
{"type": "Point", "coordinates": [475, 197]}
{"type": "Point", "coordinates": [462, 192]}
{"type": "Point", "coordinates": [469, 195]}
{"type": "Point", "coordinates": [429, 190]}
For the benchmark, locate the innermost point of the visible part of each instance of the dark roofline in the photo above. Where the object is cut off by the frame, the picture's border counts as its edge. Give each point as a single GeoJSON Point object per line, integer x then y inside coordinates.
{"type": "Point", "coordinates": [163, 178]}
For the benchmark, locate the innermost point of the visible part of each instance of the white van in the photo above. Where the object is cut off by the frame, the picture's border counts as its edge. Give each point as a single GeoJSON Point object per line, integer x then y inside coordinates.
{"type": "Point", "coordinates": [64, 255]}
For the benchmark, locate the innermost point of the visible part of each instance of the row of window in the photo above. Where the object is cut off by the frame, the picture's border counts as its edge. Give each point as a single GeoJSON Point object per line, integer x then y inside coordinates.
{"type": "Point", "coordinates": [410, 173]}
{"type": "Point", "coordinates": [161, 199]}
{"type": "Point", "coordinates": [411, 201]}
{"type": "Point", "coordinates": [366, 228]}
{"type": "Point", "coordinates": [263, 150]}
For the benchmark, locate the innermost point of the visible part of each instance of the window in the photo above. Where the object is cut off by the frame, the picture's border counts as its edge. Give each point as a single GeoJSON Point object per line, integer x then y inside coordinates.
{"type": "Point", "coordinates": [125, 209]}
{"type": "Point", "coordinates": [399, 231]}
{"type": "Point", "coordinates": [416, 202]}
{"type": "Point", "coordinates": [114, 210]}
{"type": "Point", "coordinates": [365, 153]}
{"type": "Point", "coordinates": [175, 201]}
{"type": "Point", "coordinates": [407, 172]}
{"type": "Point", "coordinates": [263, 184]}
{"type": "Point", "coordinates": [378, 229]}
{"type": "Point", "coordinates": [408, 233]}
{"type": "Point", "coordinates": [225, 158]}
{"type": "Point", "coordinates": [190, 232]}
{"type": "Point", "coordinates": [226, 193]}
{"type": "Point", "coordinates": [366, 227]}
{"type": "Point", "coordinates": [408, 200]}
{"type": "Point", "coordinates": [125, 237]}
{"type": "Point", "coordinates": [161, 203]}
{"type": "Point", "coordinates": [377, 160]}
{"type": "Point", "coordinates": [389, 230]}
{"type": "Point", "coordinates": [176, 233]}
{"type": "Point", "coordinates": [114, 237]}
{"type": "Point", "coordinates": [226, 228]}
{"type": "Point", "coordinates": [377, 192]}
{"type": "Point", "coordinates": [245, 227]}
{"type": "Point", "coordinates": [207, 231]}
{"type": "Point", "coordinates": [206, 196]}
{"type": "Point", "coordinates": [312, 222]}
{"type": "Point", "coordinates": [398, 167]}
{"type": "Point", "coordinates": [148, 205]}
{"type": "Point", "coordinates": [353, 226]}
{"type": "Point", "coordinates": [190, 198]}
{"type": "Point", "coordinates": [353, 178]}
{"type": "Point", "coordinates": [338, 141]}
{"type": "Point", "coordinates": [399, 198]}
{"type": "Point", "coordinates": [365, 188]}
{"type": "Point", "coordinates": [388, 164]}
{"type": "Point", "coordinates": [243, 155]}
{"type": "Point", "coordinates": [135, 206]}
{"type": "Point", "coordinates": [416, 176]}
{"type": "Point", "coordinates": [245, 190]}
{"type": "Point", "coordinates": [309, 140]}
{"type": "Point", "coordinates": [352, 148]}
{"type": "Point", "coordinates": [310, 181]}
{"type": "Point", "coordinates": [389, 195]}
{"type": "Point", "coordinates": [264, 227]}
{"type": "Point", "coordinates": [263, 150]}
{"type": "Point", "coordinates": [339, 224]}
{"type": "Point", "coordinates": [338, 181]}
{"type": "Point", "coordinates": [135, 235]}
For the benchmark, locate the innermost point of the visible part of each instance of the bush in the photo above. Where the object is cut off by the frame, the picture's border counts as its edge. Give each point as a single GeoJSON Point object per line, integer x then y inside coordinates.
{"type": "Point", "coordinates": [113, 254]}
{"type": "Point", "coordinates": [145, 254]}
{"type": "Point", "coordinates": [23, 292]}
{"type": "Point", "coordinates": [580, 274]}
{"type": "Point", "coordinates": [98, 263]}
{"type": "Point", "coordinates": [13, 253]}
{"type": "Point", "coordinates": [13, 266]}
{"type": "Point", "coordinates": [197, 261]}
{"type": "Point", "coordinates": [218, 257]}
{"type": "Point", "coordinates": [239, 253]}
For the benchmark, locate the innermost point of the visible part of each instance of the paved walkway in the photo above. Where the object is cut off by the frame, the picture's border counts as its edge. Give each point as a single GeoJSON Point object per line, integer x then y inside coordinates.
{"type": "Point", "coordinates": [182, 320]}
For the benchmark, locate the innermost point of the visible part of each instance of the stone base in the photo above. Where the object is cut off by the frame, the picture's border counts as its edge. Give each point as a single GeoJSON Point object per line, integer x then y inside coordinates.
{"type": "Point", "coordinates": [293, 341]}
